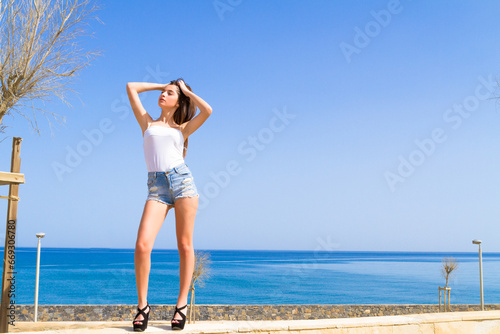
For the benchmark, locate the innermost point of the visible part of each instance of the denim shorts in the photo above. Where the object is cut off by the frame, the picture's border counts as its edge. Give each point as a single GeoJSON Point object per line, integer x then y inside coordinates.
{"type": "Point", "coordinates": [167, 187]}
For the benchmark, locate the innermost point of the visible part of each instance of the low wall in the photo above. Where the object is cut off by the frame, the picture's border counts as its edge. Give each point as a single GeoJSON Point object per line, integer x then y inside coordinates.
{"type": "Point", "coordinates": [229, 312]}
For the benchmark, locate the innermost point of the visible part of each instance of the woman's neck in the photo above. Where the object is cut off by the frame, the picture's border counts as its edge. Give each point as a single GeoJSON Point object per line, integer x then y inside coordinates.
{"type": "Point", "coordinates": [167, 116]}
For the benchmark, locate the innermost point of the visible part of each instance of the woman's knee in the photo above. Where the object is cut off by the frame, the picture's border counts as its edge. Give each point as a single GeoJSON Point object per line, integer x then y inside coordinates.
{"type": "Point", "coordinates": [143, 247]}
{"type": "Point", "coordinates": [185, 246]}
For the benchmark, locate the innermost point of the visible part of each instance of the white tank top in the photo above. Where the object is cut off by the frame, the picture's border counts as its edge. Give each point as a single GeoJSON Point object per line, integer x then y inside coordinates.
{"type": "Point", "coordinates": [163, 148]}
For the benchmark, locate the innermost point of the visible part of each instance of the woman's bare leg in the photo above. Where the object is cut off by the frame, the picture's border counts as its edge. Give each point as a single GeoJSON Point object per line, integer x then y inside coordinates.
{"type": "Point", "coordinates": [152, 218]}
{"type": "Point", "coordinates": [185, 213]}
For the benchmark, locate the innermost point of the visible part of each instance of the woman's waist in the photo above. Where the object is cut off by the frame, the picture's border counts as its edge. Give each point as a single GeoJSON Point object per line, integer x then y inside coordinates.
{"type": "Point", "coordinates": [177, 168]}
{"type": "Point", "coordinates": [162, 160]}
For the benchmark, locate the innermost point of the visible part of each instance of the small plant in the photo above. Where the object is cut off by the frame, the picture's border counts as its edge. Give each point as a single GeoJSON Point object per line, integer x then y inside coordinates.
{"type": "Point", "coordinates": [449, 265]}
{"type": "Point", "coordinates": [200, 274]}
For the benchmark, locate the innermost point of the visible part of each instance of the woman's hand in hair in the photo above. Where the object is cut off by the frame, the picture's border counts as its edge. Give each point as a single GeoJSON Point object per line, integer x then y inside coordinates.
{"type": "Point", "coordinates": [183, 87]}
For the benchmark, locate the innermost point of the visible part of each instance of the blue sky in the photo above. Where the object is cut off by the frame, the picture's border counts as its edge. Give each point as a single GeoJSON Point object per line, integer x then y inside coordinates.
{"type": "Point", "coordinates": [336, 125]}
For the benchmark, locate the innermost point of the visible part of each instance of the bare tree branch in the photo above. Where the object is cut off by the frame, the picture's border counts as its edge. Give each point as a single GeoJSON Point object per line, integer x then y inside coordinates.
{"type": "Point", "coordinates": [39, 53]}
{"type": "Point", "coordinates": [449, 265]}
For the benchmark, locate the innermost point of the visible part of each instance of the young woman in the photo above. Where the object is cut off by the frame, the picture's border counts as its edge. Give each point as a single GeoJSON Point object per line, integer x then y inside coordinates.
{"type": "Point", "coordinates": [170, 185]}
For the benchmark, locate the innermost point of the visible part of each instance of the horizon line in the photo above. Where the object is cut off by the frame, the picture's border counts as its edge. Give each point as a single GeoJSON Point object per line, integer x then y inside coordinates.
{"type": "Point", "coordinates": [267, 250]}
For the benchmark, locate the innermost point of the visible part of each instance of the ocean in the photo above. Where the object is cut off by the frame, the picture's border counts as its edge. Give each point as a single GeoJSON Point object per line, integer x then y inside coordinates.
{"type": "Point", "coordinates": [250, 277]}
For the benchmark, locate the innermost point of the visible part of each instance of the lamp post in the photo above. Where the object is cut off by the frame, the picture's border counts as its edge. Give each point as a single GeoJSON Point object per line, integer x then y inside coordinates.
{"type": "Point", "coordinates": [39, 236]}
{"type": "Point", "coordinates": [478, 242]}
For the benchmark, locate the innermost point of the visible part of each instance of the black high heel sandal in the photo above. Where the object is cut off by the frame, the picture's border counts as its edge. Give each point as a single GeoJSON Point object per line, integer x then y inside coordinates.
{"type": "Point", "coordinates": [144, 322]}
{"type": "Point", "coordinates": [180, 322]}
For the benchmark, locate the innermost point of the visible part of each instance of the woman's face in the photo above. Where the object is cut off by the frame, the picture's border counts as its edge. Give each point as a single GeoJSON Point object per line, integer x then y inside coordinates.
{"type": "Point", "coordinates": [169, 97]}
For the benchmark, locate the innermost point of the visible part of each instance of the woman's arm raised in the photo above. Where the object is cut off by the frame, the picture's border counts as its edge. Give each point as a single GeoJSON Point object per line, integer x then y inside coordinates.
{"type": "Point", "coordinates": [205, 110]}
{"type": "Point", "coordinates": [133, 90]}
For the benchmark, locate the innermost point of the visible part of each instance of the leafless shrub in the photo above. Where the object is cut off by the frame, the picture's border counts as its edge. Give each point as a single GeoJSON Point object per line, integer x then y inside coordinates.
{"type": "Point", "coordinates": [449, 265]}
{"type": "Point", "coordinates": [39, 53]}
{"type": "Point", "coordinates": [200, 274]}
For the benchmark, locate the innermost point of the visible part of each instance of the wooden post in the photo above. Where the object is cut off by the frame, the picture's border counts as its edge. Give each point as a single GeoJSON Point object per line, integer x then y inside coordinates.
{"type": "Point", "coordinates": [440, 299]}
{"type": "Point", "coordinates": [449, 290]}
{"type": "Point", "coordinates": [7, 306]}
{"type": "Point", "coordinates": [446, 298]}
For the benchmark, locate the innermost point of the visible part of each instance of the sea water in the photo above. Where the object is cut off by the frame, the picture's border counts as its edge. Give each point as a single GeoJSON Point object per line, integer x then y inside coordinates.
{"type": "Point", "coordinates": [250, 277]}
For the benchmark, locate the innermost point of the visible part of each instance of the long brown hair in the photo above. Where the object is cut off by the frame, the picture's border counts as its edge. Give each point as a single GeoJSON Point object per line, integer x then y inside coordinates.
{"type": "Point", "coordinates": [186, 109]}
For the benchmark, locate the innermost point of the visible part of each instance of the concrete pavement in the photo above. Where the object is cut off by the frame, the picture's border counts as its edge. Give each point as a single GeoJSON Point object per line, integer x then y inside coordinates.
{"type": "Point", "coordinates": [480, 322]}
